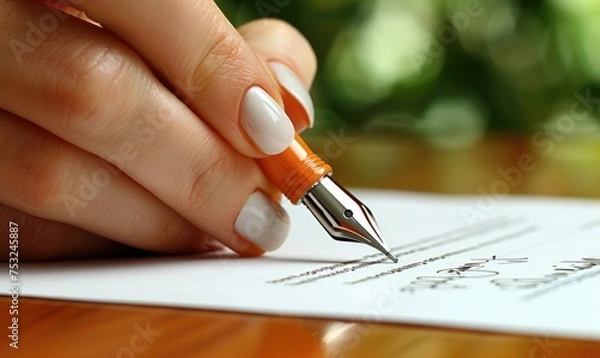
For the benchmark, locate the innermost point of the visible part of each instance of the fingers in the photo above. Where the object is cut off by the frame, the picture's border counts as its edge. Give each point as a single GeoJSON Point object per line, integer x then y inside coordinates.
{"type": "Point", "coordinates": [51, 179]}
{"type": "Point", "coordinates": [44, 240]}
{"type": "Point", "coordinates": [203, 57]}
{"type": "Point", "coordinates": [97, 94]}
{"type": "Point", "coordinates": [41, 240]}
{"type": "Point", "coordinates": [292, 62]}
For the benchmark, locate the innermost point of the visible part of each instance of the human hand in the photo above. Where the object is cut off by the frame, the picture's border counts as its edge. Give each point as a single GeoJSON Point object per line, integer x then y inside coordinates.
{"type": "Point", "coordinates": [142, 133]}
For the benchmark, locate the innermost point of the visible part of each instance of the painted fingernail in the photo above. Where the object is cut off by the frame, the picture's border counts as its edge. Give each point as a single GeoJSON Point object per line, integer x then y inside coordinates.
{"type": "Point", "coordinates": [266, 123]}
{"type": "Point", "coordinates": [291, 83]}
{"type": "Point", "coordinates": [263, 222]}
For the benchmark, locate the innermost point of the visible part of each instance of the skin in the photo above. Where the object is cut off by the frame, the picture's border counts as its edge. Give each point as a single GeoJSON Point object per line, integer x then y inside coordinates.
{"type": "Point", "coordinates": [147, 109]}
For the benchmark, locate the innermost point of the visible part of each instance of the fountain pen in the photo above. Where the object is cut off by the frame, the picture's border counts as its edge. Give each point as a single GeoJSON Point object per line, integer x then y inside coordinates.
{"type": "Point", "coordinates": [304, 177]}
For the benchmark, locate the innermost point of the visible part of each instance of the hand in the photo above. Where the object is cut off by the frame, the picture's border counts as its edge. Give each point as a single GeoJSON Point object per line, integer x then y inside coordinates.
{"type": "Point", "coordinates": [142, 132]}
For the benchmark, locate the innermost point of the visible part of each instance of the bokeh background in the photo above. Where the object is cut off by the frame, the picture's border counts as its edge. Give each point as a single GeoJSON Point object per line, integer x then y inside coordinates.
{"type": "Point", "coordinates": [447, 71]}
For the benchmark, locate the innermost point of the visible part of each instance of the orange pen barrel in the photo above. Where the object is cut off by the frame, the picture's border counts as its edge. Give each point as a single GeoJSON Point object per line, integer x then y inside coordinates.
{"type": "Point", "coordinates": [295, 170]}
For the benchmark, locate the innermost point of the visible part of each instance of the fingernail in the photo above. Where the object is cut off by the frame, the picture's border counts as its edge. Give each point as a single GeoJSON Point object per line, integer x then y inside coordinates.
{"type": "Point", "coordinates": [263, 222]}
{"type": "Point", "coordinates": [291, 83]}
{"type": "Point", "coordinates": [266, 123]}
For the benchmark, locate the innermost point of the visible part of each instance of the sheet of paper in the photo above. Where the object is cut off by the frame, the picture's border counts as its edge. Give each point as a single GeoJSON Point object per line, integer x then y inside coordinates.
{"type": "Point", "coordinates": [515, 264]}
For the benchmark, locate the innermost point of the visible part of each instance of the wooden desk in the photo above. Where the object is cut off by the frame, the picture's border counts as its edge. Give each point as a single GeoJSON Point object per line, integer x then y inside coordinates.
{"type": "Point", "coordinates": [68, 329]}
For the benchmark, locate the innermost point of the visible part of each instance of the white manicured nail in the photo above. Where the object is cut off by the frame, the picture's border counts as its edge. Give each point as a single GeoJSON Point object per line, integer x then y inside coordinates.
{"type": "Point", "coordinates": [290, 81]}
{"type": "Point", "coordinates": [263, 222]}
{"type": "Point", "coordinates": [266, 123]}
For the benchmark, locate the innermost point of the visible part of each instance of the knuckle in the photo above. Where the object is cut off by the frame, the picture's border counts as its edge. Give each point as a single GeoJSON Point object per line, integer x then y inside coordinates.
{"type": "Point", "coordinates": [220, 58]}
{"type": "Point", "coordinates": [207, 186]}
{"type": "Point", "coordinates": [90, 87]}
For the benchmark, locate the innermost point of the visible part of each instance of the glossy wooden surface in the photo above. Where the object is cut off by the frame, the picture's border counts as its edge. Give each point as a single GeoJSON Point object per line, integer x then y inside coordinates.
{"type": "Point", "coordinates": [72, 329]}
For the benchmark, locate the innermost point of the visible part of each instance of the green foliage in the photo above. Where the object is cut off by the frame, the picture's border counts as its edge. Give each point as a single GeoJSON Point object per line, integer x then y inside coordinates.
{"type": "Point", "coordinates": [439, 66]}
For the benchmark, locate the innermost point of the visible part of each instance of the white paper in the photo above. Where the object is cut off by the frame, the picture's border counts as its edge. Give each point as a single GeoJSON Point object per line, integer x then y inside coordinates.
{"type": "Point", "coordinates": [514, 264]}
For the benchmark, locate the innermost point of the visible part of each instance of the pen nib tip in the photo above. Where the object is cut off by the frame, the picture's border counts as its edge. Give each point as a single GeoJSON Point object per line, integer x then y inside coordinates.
{"type": "Point", "coordinates": [391, 257]}
{"type": "Point", "coordinates": [344, 217]}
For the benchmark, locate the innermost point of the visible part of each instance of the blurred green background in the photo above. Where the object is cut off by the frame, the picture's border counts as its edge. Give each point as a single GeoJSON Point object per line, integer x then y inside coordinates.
{"type": "Point", "coordinates": [454, 69]}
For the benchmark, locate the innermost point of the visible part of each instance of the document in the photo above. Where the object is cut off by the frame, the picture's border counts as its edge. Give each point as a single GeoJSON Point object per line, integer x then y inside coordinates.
{"type": "Point", "coordinates": [528, 265]}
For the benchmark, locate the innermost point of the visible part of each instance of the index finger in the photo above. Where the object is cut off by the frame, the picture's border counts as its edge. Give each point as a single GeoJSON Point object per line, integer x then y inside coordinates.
{"type": "Point", "coordinates": [195, 48]}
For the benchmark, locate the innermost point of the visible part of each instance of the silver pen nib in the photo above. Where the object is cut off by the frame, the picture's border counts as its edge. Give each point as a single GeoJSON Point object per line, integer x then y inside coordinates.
{"type": "Point", "coordinates": [343, 216]}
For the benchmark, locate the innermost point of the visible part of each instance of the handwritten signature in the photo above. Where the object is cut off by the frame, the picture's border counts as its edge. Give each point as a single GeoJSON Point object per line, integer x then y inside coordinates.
{"type": "Point", "coordinates": [455, 278]}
